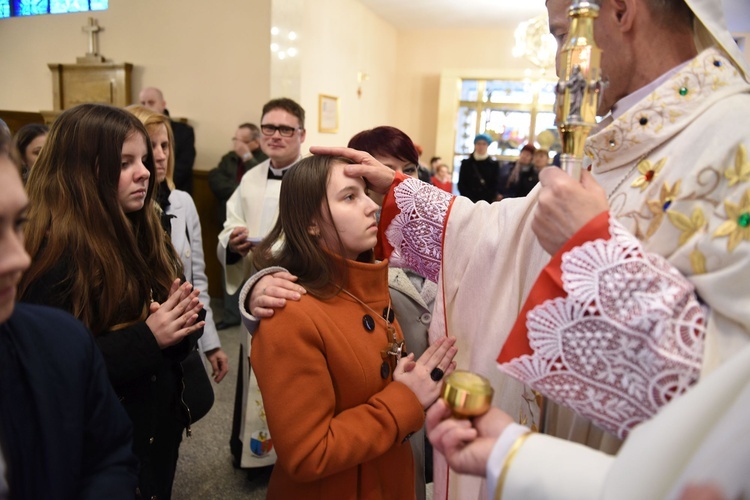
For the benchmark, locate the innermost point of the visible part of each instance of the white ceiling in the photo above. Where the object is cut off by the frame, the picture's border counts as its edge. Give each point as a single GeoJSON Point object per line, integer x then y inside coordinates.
{"type": "Point", "coordinates": [421, 14]}
{"type": "Point", "coordinates": [462, 14]}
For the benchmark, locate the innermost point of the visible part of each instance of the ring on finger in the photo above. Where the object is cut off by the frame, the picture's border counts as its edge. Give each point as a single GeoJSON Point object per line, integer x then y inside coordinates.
{"type": "Point", "coordinates": [437, 374]}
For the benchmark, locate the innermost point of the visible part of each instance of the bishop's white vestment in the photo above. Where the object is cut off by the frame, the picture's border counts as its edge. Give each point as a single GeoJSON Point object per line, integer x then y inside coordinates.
{"type": "Point", "coordinates": [676, 170]}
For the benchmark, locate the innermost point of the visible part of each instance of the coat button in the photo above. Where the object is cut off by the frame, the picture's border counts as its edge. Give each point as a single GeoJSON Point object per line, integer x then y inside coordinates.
{"type": "Point", "coordinates": [153, 378]}
{"type": "Point", "coordinates": [425, 318]}
{"type": "Point", "coordinates": [368, 322]}
{"type": "Point", "coordinates": [187, 252]}
{"type": "Point", "coordinates": [150, 440]}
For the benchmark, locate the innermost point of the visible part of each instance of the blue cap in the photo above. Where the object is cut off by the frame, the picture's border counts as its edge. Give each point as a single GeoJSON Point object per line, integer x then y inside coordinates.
{"type": "Point", "coordinates": [483, 137]}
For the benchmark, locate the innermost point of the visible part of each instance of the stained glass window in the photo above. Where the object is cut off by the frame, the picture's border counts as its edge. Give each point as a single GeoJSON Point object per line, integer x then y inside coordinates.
{"type": "Point", "coordinates": [15, 8]}
{"type": "Point", "coordinates": [512, 112]}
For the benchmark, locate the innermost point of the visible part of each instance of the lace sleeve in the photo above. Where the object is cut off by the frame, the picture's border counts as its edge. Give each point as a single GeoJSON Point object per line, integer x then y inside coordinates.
{"type": "Point", "coordinates": [416, 227]}
{"type": "Point", "coordinates": [626, 339]}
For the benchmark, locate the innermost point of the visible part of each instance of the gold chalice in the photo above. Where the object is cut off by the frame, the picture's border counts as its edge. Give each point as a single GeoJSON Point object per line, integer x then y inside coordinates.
{"type": "Point", "coordinates": [468, 395]}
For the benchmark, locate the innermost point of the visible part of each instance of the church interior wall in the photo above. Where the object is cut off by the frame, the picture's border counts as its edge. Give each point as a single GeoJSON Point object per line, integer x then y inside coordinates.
{"type": "Point", "coordinates": [346, 42]}
{"type": "Point", "coordinates": [211, 62]}
{"type": "Point", "coordinates": [217, 73]}
{"type": "Point", "coordinates": [424, 54]}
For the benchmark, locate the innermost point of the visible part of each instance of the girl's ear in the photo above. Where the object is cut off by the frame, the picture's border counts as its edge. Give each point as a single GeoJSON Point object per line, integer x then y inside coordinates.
{"type": "Point", "coordinates": [313, 230]}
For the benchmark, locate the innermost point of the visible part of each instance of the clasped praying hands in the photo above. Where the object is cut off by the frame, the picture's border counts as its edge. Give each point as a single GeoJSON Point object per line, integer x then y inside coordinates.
{"type": "Point", "coordinates": [176, 317]}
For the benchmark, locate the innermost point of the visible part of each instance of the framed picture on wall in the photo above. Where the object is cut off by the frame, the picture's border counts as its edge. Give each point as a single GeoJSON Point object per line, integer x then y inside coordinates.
{"type": "Point", "coordinates": [328, 114]}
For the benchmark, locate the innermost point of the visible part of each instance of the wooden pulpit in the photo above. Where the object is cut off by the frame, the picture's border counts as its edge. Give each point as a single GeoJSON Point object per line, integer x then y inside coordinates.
{"type": "Point", "coordinates": [105, 82]}
{"type": "Point", "coordinates": [92, 79]}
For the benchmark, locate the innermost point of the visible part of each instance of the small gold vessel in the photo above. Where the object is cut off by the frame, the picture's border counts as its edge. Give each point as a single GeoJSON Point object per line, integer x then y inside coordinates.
{"type": "Point", "coordinates": [467, 394]}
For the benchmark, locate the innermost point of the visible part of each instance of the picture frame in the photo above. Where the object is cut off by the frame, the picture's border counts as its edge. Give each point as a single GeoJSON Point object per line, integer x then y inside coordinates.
{"type": "Point", "coordinates": [328, 114]}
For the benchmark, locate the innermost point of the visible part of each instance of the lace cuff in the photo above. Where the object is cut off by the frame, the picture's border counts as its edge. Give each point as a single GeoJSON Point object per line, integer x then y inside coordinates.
{"type": "Point", "coordinates": [414, 215]}
{"type": "Point", "coordinates": [623, 339]}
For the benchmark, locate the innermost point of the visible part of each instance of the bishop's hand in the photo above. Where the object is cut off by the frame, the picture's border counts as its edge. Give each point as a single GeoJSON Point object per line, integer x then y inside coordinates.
{"type": "Point", "coordinates": [565, 206]}
{"type": "Point", "coordinates": [379, 177]}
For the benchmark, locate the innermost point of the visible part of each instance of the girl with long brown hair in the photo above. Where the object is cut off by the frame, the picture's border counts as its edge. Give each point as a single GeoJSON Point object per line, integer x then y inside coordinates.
{"type": "Point", "coordinates": [341, 396]}
{"type": "Point", "coordinates": [99, 252]}
{"type": "Point", "coordinates": [180, 219]}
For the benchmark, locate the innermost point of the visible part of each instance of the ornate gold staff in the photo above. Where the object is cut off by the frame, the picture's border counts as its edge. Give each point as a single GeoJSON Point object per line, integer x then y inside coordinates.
{"type": "Point", "coordinates": [579, 86]}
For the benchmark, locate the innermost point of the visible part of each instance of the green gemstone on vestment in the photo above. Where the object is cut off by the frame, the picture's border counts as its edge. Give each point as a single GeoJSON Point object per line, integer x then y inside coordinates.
{"type": "Point", "coordinates": [744, 220]}
{"type": "Point", "coordinates": [683, 91]}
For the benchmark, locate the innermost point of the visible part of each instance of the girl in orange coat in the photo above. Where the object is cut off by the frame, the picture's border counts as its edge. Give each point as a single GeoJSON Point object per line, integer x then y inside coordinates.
{"type": "Point", "coordinates": [340, 395]}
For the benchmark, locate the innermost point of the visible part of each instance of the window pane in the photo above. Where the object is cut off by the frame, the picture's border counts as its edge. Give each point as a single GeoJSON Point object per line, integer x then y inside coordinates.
{"type": "Point", "coordinates": [63, 6]}
{"type": "Point", "coordinates": [512, 128]}
{"type": "Point", "coordinates": [544, 121]}
{"type": "Point", "coordinates": [457, 159]}
{"type": "Point", "coordinates": [469, 90]}
{"type": "Point", "coordinates": [457, 165]}
{"type": "Point", "coordinates": [547, 94]}
{"type": "Point", "coordinates": [466, 125]}
{"type": "Point", "coordinates": [509, 91]}
{"type": "Point", "coordinates": [30, 7]}
{"type": "Point", "coordinates": [37, 7]}
{"type": "Point", "coordinates": [546, 133]}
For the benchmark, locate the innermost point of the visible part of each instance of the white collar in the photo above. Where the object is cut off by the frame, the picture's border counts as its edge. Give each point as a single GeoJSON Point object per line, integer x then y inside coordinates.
{"type": "Point", "coordinates": [279, 171]}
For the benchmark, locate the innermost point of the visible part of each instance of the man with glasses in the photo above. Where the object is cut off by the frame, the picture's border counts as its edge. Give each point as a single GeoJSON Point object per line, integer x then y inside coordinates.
{"type": "Point", "coordinates": [251, 213]}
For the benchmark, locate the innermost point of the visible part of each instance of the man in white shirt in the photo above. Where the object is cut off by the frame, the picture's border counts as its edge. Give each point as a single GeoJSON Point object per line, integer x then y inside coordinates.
{"type": "Point", "coordinates": [252, 208]}
{"type": "Point", "coordinates": [251, 213]}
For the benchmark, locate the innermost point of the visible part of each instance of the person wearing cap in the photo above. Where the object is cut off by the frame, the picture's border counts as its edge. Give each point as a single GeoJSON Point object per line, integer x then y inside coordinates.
{"type": "Point", "coordinates": [662, 223]}
{"type": "Point", "coordinates": [478, 177]}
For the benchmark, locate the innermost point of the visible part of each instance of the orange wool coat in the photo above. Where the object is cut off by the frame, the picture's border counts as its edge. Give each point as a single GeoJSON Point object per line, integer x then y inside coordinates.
{"type": "Point", "coordinates": [340, 430]}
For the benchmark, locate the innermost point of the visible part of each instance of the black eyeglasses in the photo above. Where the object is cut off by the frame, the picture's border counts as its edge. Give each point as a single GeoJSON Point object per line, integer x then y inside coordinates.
{"type": "Point", "coordinates": [284, 131]}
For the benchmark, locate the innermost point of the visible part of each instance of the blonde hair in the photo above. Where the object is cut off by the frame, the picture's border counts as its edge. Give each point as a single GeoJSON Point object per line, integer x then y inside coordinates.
{"type": "Point", "coordinates": [151, 120]}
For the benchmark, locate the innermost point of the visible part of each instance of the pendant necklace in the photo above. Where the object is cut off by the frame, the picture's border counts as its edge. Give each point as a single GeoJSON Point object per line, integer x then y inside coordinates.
{"type": "Point", "coordinates": [396, 348]}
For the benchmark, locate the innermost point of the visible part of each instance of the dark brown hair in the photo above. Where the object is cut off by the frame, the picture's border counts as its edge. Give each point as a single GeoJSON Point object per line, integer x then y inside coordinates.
{"type": "Point", "coordinates": [23, 138]}
{"type": "Point", "coordinates": [302, 204]}
{"type": "Point", "coordinates": [116, 260]}
{"type": "Point", "coordinates": [386, 141]}
{"type": "Point", "coordinates": [287, 105]}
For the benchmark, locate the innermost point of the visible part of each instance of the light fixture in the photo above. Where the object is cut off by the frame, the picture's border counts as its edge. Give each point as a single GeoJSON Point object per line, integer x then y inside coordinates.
{"type": "Point", "coordinates": [534, 42]}
{"type": "Point", "coordinates": [283, 43]}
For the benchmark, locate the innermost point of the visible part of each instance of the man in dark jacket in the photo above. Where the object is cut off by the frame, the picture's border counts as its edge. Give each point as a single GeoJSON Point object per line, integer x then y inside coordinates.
{"type": "Point", "coordinates": [184, 139]}
{"type": "Point", "coordinates": [63, 433]}
{"type": "Point", "coordinates": [246, 153]}
{"type": "Point", "coordinates": [223, 180]}
{"type": "Point", "coordinates": [478, 178]}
